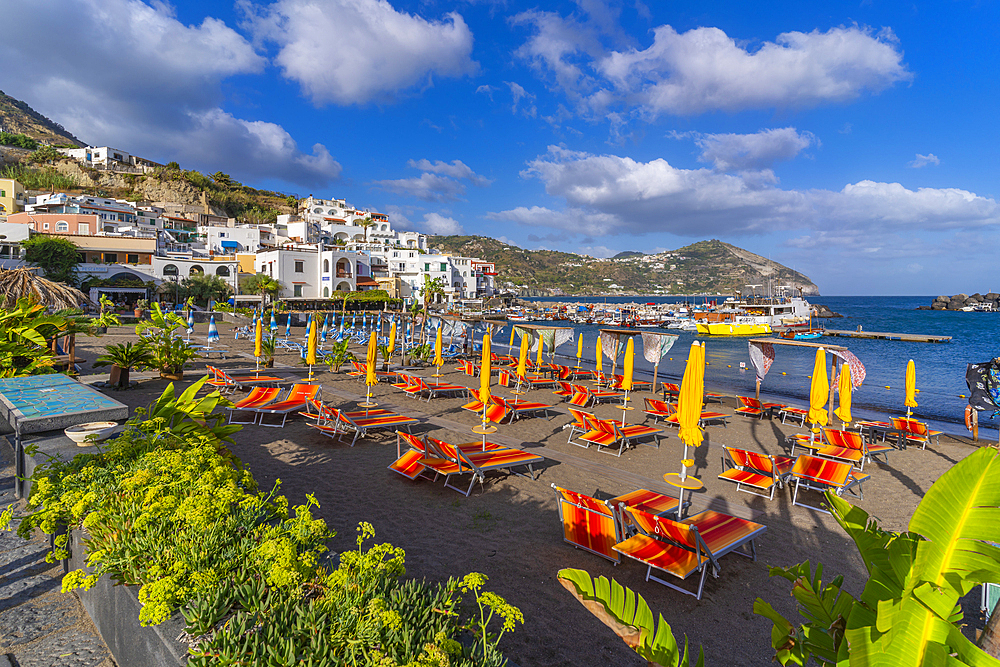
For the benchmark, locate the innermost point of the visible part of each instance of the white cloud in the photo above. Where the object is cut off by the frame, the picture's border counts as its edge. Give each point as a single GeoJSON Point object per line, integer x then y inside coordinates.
{"type": "Point", "coordinates": [519, 93]}
{"type": "Point", "coordinates": [433, 223]}
{"type": "Point", "coordinates": [358, 51]}
{"type": "Point", "coordinates": [704, 69]}
{"type": "Point", "coordinates": [742, 152]}
{"type": "Point", "coordinates": [427, 187]}
{"type": "Point", "coordinates": [131, 75]}
{"type": "Point", "coordinates": [608, 194]}
{"type": "Point", "coordinates": [456, 169]}
{"type": "Point", "coordinates": [924, 160]}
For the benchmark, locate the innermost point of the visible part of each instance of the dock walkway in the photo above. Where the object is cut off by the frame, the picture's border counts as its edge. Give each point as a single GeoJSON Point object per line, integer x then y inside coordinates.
{"type": "Point", "coordinates": [882, 335]}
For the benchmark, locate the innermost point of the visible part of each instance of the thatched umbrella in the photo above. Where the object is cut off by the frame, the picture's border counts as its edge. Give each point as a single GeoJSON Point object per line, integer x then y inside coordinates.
{"type": "Point", "coordinates": [26, 283]}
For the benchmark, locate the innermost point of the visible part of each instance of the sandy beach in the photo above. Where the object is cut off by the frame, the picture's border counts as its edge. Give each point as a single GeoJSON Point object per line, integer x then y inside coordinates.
{"type": "Point", "coordinates": [509, 528]}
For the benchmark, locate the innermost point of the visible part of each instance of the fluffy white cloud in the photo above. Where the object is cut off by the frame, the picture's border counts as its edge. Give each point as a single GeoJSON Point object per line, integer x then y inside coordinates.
{"type": "Point", "coordinates": [924, 160]}
{"type": "Point", "coordinates": [426, 187]}
{"type": "Point", "coordinates": [435, 223]}
{"type": "Point", "coordinates": [131, 75]}
{"type": "Point", "coordinates": [519, 93]}
{"type": "Point", "coordinates": [704, 69]}
{"type": "Point", "coordinates": [455, 169]}
{"type": "Point", "coordinates": [608, 194]}
{"type": "Point", "coordinates": [358, 51]}
{"type": "Point", "coordinates": [760, 150]}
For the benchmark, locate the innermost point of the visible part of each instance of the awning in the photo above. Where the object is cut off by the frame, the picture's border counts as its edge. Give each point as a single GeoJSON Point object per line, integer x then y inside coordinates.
{"type": "Point", "coordinates": [366, 281]}
{"type": "Point", "coordinates": [230, 244]}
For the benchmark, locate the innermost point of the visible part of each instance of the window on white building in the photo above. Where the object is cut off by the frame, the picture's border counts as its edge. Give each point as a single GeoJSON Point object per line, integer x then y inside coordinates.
{"type": "Point", "coordinates": [62, 226]}
{"type": "Point", "coordinates": [326, 266]}
{"type": "Point", "coordinates": [83, 228]}
{"type": "Point", "coordinates": [45, 225]}
{"type": "Point", "coordinates": [299, 268]}
{"type": "Point", "coordinates": [297, 291]}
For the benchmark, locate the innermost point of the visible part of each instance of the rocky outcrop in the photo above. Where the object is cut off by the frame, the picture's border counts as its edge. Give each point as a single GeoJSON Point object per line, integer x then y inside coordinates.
{"type": "Point", "coordinates": [824, 311]}
{"type": "Point", "coordinates": [990, 301]}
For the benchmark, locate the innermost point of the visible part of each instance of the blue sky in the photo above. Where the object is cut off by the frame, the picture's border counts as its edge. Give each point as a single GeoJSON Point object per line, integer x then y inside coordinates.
{"type": "Point", "coordinates": [855, 142]}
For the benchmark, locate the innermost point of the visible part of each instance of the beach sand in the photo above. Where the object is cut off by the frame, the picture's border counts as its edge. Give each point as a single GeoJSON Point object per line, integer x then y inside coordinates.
{"type": "Point", "coordinates": [509, 528]}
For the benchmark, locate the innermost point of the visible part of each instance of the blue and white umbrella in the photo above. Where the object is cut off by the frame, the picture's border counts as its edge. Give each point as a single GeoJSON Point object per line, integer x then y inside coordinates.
{"type": "Point", "coordinates": [190, 323]}
{"type": "Point", "coordinates": [288, 326]}
{"type": "Point", "coordinates": [325, 330]}
{"type": "Point", "coordinates": [274, 321]}
{"type": "Point", "coordinates": [213, 331]}
{"type": "Point", "coordinates": [354, 319]}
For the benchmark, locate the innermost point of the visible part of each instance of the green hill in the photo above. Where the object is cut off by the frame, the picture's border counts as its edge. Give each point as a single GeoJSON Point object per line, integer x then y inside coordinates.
{"type": "Point", "coordinates": [17, 117]}
{"type": "Point", "coordinates": [703, 267]}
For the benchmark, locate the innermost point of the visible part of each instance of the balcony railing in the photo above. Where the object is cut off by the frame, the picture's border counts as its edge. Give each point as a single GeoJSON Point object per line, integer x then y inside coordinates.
{"type": "Point", "coordinates": [343, 274]}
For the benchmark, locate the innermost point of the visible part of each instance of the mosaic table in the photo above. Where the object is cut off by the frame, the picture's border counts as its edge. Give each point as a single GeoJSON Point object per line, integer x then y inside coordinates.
{"type": "Point", "coordinates": [51, 403]}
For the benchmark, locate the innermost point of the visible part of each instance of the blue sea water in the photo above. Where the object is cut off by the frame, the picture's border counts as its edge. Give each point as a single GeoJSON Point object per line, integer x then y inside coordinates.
{"type": "Point", "coordinates": [940, 366]}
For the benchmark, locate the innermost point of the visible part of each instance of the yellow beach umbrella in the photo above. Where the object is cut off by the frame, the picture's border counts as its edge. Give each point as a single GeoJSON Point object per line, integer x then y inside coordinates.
{"type": "Point", "coordinates": [370, 358]}
{"type": "Point", "coordinates": [911, 387]}
{"type": "Point", "coordinates": [522, 360]}
{"type": "Point", "coordinates": [819, 392]}
{"type": "Point", "coordinates": [438, 359]}
{"type": "Point", "coordinates": [392, 340]}
{"type": "Point", "coordinates": [599, 350]}
{"type": "Point", "coordinates": [628, 365]}
{"type": "Point", "coordinates": [510, 345]}
{"type": "Point", "coordinates": [538, 360]}
{"type": "Point", "coordinates": [689, 402]}
{"type": "Point", "coordinates": [258, 339]}
{"type": "Point", "coordinates": [844, 389]}
{"type": "Point", "coordinates": [485, 371]}
{"type": "Point", "coordinates": [579, 350]}
{"type": "Point", "coordinates": [311, 349]}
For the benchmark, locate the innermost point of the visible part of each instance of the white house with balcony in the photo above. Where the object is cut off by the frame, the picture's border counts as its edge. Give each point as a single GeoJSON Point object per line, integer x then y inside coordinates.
{"type": "Point", "coordinates": [229, 240]}
{"type": "Point", "coordinates": [315, 271]}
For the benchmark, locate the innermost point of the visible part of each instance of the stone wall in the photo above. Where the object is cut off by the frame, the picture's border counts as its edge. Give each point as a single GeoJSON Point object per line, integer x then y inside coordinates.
{"type": "Point", "coordinates": [990, 301]}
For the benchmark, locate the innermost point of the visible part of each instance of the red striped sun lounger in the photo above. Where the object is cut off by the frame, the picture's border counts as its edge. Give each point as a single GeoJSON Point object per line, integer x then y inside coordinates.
{"type": "Point", "coordinates": [816, 474]}
{"type": "Point", "coordinates": [760, 473]}
{"type": "Point", "coordinates": [297, 399]}
{"type": "Point", "coordinates": [588, 523]}
{"type": "Point", "coordinates": [257, 398]}
{"type": "Point", "coordinates": [362, 421]}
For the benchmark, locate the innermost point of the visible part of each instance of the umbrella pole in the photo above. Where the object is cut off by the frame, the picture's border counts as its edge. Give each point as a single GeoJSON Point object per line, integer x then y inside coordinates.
{"type": "Point", "coordinates": [757, 393]}
{"type": "Point", "coordinates": [656, 369]}
{"type": "Point", "coordinates": [833, 377]}
{"type": "Point", "coordinates": [624, 407]}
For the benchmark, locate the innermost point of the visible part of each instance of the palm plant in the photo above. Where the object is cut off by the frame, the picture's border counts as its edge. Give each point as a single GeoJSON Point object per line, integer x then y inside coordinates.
{"type": "Point", "coordinates": [267, 347]}
{"type": "Point", "coordinates": [123, 358]}
{"type": "Point", "coordinates": [338, 356]}
{"type": "Point", "coordinates": [17, 284]}
{"type": "Point", "coordinates": [365, 224]}
{"type": "Point", "coordinates": [169, 352]}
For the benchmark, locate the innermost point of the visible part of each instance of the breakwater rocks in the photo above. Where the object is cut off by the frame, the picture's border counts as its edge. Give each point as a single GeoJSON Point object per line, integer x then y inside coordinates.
{"type": "Point", "coordinates": [823, 311]}
{"type": "Point", "coordinates": [977, 301]}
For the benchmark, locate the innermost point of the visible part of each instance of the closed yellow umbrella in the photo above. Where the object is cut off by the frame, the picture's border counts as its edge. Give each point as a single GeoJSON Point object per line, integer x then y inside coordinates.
{"type": "Point", "coordinates": [579, 350]}
{"type": "Point", "coordinates": [485, 371]}
{"type": "Point", "coordinates": [311, 349]}
{"type": "Point", "coordinates": [819, 392]}
{"type": "Point", "coordinates": [844, 389]}
{"type": "Point", "coordinates": [370, 358]}
{"type": "Point", "coordinates": [510, 345]}
{"type": "Point", "coordinates": [522, 360]}
{"type": "Point", "coordinates": [911, 387]}
{"type": "Point", "coordinates": [628, 364]}
{"type": "Point", "coordinates": [689, 402]}
{"type": "Point", "coordinates": [438, 359]}
{"type": "Point", "coordinates": [599, 350]}
{"type": "Point", "coordinates": [541, 348]}
{"type": "Point", "coordinates": [258, 340]}
{"type": "Point", "coordinates": [392, 340]}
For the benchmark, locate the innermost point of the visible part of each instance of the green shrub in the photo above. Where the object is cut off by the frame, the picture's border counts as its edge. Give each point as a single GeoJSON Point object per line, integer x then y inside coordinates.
{"type": "Point", "coordinates": [18, 140]}
{"type": "Point", "coordinates": [39, 178]}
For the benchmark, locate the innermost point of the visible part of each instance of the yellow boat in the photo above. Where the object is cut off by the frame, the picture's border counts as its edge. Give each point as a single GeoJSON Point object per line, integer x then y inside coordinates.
{"type": "Point", "coordinates": [736, 328]}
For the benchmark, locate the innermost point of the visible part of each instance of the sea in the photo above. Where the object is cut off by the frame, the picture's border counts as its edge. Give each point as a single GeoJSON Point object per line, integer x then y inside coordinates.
{"type": "Point", "coordinates": [940, 366]}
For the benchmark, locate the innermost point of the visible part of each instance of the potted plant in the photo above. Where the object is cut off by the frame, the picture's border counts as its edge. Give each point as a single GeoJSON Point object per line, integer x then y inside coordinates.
{"type": "Point", "coordinates": [384, 351]}
{"type": "Point", "coordinates": [169, 351]}
{"type": "Point", "coordinates": [267, 346]}
{"type": "Point", "coordinates": [140, 307]}
{"type": "Point", "coordinates": [338, 356]}
{"type": "Point", "coordinates": [123, 358]}
{"type": "Point", "coordinates": [107, 317]}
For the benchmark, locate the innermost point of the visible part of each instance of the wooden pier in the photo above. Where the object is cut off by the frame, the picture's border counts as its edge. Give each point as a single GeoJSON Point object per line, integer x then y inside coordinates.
{"type": "Point", "coordinates": [882, 335]}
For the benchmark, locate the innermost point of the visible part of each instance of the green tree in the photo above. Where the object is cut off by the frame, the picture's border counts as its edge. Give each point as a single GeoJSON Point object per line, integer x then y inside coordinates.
{"type": "Point", "coordinates": [263, 285]}
{"type": "Point", "coordinates": [203, 287]}
{"type": "Point", "coordinates": [19, 140]}
{"type": "Point", "coordinates": [292, 203]}
{"type": "Point", "coordinates": [56, 256]}
{"type": "Point", "coordinates": [365, 224]}
{"type": "Point", "coordinates": [222, 179]}
{"type": "Point", "coordinates": [433, 287]}
{"type": "Point", "coordinates": [45, 154]}
{"type": "Point", "coordinates": [173, 166]}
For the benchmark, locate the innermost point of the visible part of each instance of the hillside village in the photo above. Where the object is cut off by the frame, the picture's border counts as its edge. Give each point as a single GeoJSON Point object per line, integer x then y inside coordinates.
{"type": "Point", "coordinates": [142, 228]}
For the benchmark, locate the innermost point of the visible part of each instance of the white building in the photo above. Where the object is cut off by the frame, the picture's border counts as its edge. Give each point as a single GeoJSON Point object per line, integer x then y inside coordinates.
{"type": "Point", "coordinates": [228, 240]}
{"type": "Point", "coordinates": [102, 156]}
{"type": "Point", "coordinates": [315, 271]}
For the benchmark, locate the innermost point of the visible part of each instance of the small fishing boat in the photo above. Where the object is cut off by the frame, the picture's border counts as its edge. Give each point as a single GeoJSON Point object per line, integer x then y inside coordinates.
{"type": "Point", "coordinates": [800, 335]}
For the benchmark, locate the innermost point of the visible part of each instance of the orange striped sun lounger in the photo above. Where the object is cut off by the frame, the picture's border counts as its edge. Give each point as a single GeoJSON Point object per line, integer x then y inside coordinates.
{"type": "Point", "coordinates": [580, 424]}
{"type": "Point", "coordinates": [565, 391]}
{"type": "Point", "coordinates": [421, 387]}
{"type": "Point", "coordinates": [789, 412]}
{"type": "Point", "coordinates": [361, 422]}
{"type": "Point", "coordinates": [517, 409]}
{"type": "Point", "coordinates": [296, 400]}
{"type": "Point", "coordinates": [608, 433]}
{"type": "Point", "coordinates": [495, 412]}
{"type": "Point", "coordinates": [451, 461]}
{"type": "Point", "coordinates": [588, 523]}
{"type": "Point", "coordinates": [670, 389]}
{"type": "Point", "coordinates": [257, 398]}
{"type": "Point", "coordinates": [843, 446]}
{"type": "Point", "coordinates": [816, 474]}
{"type": "Point", "coordinates": [913, 431]}
{"type": "Point", "coordinates": [645, 500]}
{"type": "Point", "coordinates": [422, 458]}
{"type": "Point", "coordinates": [637, 385]}
{"type": "Point", "coordinates": [668, 413]}
{"type": "Point", "coordinates": [682, 548]}
{"type": "Point", "coordinates": [760, 473]}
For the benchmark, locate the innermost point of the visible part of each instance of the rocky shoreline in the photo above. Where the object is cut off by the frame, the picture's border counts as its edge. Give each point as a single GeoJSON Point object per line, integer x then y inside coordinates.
{"type": "Point", "coordinates": [977, 301]}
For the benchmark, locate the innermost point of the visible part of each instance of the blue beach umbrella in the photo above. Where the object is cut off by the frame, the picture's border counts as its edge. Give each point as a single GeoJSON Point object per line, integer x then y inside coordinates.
{"type": "Point", "coordinates": [288, 326]}
{"type": "Point", "coordinates": [213, 331]}
{"type": "Point", "coordinates": [354, 320]}
{"type": "Point", "coordinates": [326, 329]}
{"type": "Point", "coordinates": [190, 323]}
{"type": "Point", "coordinates": [274, 321]}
